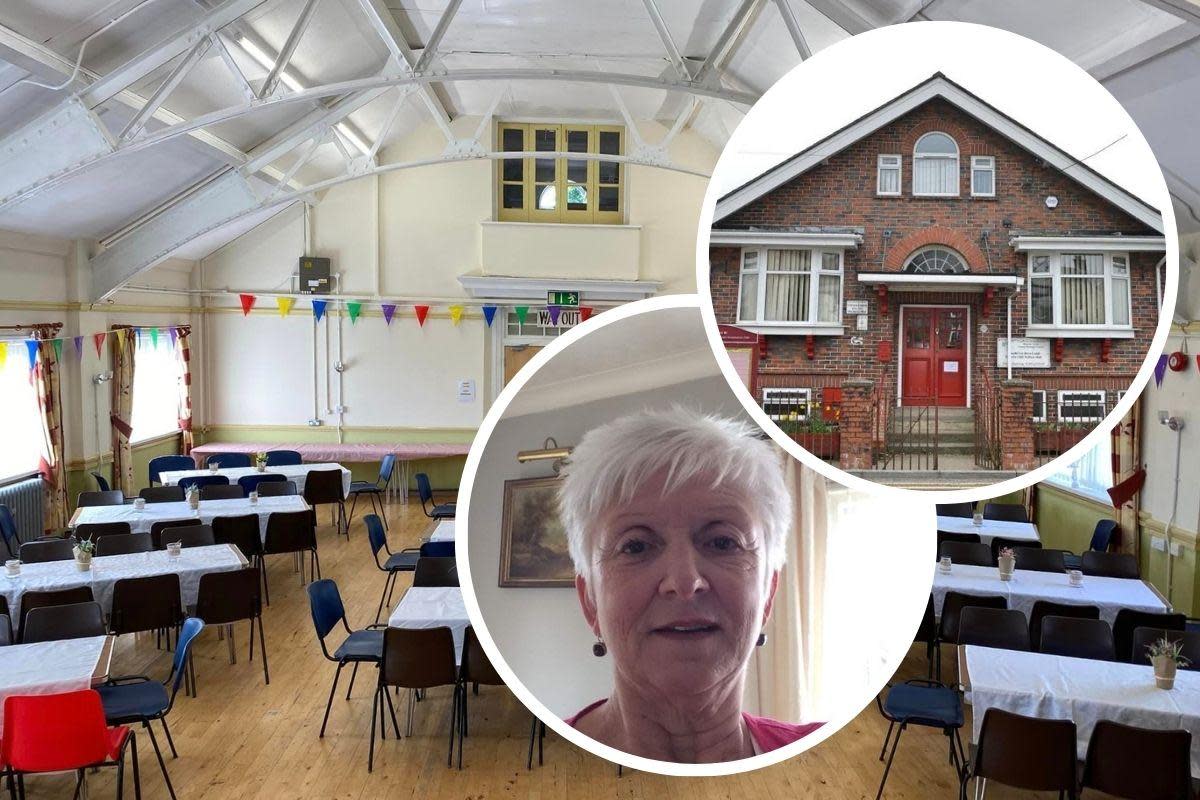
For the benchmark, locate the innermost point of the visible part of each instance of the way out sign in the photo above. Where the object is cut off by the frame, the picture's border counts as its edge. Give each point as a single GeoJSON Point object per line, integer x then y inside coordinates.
{"type": "Point", "coordinates": [562, 299]}
{"type": "Point", "coordinates": [567, 318]}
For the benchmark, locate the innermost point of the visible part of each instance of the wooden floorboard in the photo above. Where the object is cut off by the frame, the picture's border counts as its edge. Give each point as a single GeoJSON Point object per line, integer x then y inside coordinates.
{"type": "Point", "coordinates": [241, 739]}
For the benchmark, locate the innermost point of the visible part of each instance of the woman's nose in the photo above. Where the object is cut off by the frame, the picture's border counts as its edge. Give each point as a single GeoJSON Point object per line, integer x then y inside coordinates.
{"type": "Point", "coordinates": [682, 574]}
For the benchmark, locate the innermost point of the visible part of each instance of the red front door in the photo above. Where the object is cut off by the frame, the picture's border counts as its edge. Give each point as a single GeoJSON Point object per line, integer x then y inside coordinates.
{"type": "Point", "coordinates": [933, 356]}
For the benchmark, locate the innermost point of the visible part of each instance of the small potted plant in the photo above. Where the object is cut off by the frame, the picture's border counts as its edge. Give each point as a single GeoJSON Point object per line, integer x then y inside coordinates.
{"type": "Point", "coordinates": [84, 550]}
{"type": "Point", "coordinates": [260, 462]}
{"type": "Point", "coordinates": [193, 497]}
{"type": "Point", "coordinates": [1166, 656]}
{"type": "Point", "coordinates": [1007, 562]}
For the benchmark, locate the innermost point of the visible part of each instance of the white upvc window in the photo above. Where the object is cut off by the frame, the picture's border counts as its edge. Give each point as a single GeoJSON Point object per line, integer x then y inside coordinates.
{"type": "Point", "coordinates": [888, 179]}
{"type": "Point", "coordinates": [1076, 405]}
{"type": "Point", "coordinates": [786, 405]}
{"type": "Point", "coordinates": [1039, 405]}
{"type": "Point", "coordinates": [1079, 291]}
{"type": "Point", "coordinates": [935, 166]}
{"type": "Point", "coordinates": [791, 286]}
{"type": "Point", "coordinates": [983, 176]}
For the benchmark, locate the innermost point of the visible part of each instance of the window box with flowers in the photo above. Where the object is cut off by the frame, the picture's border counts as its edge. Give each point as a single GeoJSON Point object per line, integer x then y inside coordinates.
{"type": "Point", "coordinates": [1058, 437]}
{"type": "Point", "coordinates": [816, 434]}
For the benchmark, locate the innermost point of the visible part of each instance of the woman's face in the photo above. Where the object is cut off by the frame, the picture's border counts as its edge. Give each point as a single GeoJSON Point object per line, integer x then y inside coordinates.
{"type": "Point", "coordinates": [680, 588]}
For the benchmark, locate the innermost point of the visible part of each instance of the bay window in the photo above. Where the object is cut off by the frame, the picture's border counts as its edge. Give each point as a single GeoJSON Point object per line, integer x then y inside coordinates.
{"type": "Point", "coordinates": [1079, 291]}
{"type": "Point", "coordinates": [795, 286]}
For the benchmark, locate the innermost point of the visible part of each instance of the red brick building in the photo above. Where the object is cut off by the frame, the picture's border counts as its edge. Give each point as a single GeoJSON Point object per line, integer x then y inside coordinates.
{"type": "Point", "coordinates": [912, 250]}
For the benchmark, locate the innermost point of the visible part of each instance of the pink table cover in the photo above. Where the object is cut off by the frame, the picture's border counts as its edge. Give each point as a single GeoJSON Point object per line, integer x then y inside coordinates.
{"type": "Point", "coordinates": [332, 451]}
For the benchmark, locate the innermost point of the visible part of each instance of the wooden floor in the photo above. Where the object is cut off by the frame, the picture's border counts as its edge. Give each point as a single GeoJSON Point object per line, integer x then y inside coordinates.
{"type": "Point", "coordinates": [241, 739]}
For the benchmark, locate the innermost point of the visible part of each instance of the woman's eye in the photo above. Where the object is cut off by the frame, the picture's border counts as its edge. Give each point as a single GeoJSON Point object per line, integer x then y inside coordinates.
{"type": "Point", "coordinates": [725, 543]}
{"type": "Point", "coordinates": [633, 547]}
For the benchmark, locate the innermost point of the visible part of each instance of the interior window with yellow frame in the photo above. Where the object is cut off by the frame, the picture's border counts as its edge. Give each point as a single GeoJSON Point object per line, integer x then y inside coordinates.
{"type": "Point", "coordinates": [578, 190]}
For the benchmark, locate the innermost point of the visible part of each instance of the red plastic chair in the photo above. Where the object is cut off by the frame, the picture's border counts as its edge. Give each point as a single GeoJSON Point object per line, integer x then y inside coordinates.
{"type": "Point", "coordinates": [62, 732]}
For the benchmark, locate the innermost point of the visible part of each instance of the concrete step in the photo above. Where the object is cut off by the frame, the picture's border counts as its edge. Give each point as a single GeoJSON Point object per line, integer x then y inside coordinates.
{"type": "Point", "coordinates": [943, 436]}
{"type": "Point", "coordinates": [945, 478]}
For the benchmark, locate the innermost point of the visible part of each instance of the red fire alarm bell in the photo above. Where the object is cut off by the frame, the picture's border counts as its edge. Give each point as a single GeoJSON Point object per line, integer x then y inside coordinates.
{"type": "Point", "coordinates": [885, 350]}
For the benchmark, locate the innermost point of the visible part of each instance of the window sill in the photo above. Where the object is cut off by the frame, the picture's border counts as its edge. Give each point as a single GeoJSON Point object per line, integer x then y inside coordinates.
{"type": "Point", "coordinates": [1082, 332]}
{"type": "Point", "coordinates": [535, 224]}
{"type": "Point", "coordinates": [1099, 499]}
{"type": "Point", "coordinates": [919, 196]}
{"type": "Point", "coordinates": [155, 439]}
{"type": "Point", "coordinates": [18, 478]}
{"type": "Point", "coordinates": [792, 328]}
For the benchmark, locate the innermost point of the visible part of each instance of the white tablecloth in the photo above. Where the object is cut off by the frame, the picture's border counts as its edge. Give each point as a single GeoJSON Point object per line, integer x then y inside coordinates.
{"type": "Point", "coordinates": [295, 472]}
{"type": "Point", "coordinates": [1027, 587]}
{"type": "Point", "coordinates": [443, 531]}
{"type": "Point", "coordinates": [48, 667]}
{"type": "Point", "coordinates": [189, 565]}
{"type": "Point", "coordinates": [1056, 687]}
{"type": "Point", "coordinates": [990, 529]}
{"type": "Point", "coordinates": [140, 521]}
{"type": "Point", "coordinates": [433, 607]}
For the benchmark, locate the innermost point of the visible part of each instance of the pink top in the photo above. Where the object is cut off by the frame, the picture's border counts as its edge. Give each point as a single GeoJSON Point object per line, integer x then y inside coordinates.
{"type": "Point", "coordinates": [768, 734]}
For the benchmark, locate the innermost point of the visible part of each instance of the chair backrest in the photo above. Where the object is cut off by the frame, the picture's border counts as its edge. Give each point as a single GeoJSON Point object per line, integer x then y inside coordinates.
{"type": "Point", "coordinates": [325, 603]}
{"type": "Point", "coordinates": [55, 732]}
{"type": "Point", "coordinates": [1141, 763]}
{"type": "Point", "coordinates": [98, 530]}
{"type": "Point", "coordinates": [146, 604]}
{"type": "Point", "coordinates": [1109, 565]}
{"type": "Point", "coordinates": [241, 531]}
{"type": "Point", "coordinates": [1007, 512]}
{"type": "Point", "coordinates": [927, 630]}
{"type": "Point", "coordinates": [1045, 608]}
{"type": "Point", "coordinates": [101, 481]}
{"type": "Point", "coordinates": [966, 510]}
{"type": "Point", "coordinates": [112, 497]}
{"type": "Point", "coordinates": [1077, 638]}
{"type": "Point", "coordinates": [1037, 559]}
{"type": "Point", "coordinates": [418, 658]}
{"type": "Point", "coordinates": [386, 466]}
{"type": "Point", "coordinates": [1026, 752]}
{"type": "Point", "coordinates": [191, 536]}
{"type": "Point", "coordinates": [999, 542]}
{"type": "Point", "coordinates": [162, 494]}
{"type": "Point", "coordinates": [225, 597]}
{"type": "Point", "coordinates": [56, 623]}
{"type": "Point", "coordinates": [435, 572]}
{"type": "Point", "coordinates": [53, 597]}
{"type": "Point", "coordinates": [376, 536]}
{"type": "Point", "coordinates": [993, 627]}
{"type": "Point", "coordinates": [124, 543]}
{"type": "Point", "coordinates": [953, 604]}
{"type": "Point", "coordinates": [277, 489]}
{"type": "Point", "coordinates": [1128, 620]}
{"type": "Point", "coordinates": [161, 464]}
{"type": "Point", "coordinates": [229, 460]}
{"type": "Point", "coordinates": [283, 458]}
{"type": "Point", "coordinates": [323, 486]}
{"type": "Point", "coordinates": [290, 532]}
{"type": "Point", "coordinates": [424, 490]}
{"type": "Point", "coordinates": [476, 666]}
{"type": "Point", "coordinates": [219, 491]}
{"type": "Point", "coordinates": [1144, 636]}
{"type": "Point", "coordinates": [47, 550]}
{"type": "Point", "coordinates": [8, 530]}
{"type": "Point", "coordinates": [183, 647]}
{"type": "Point", "coordinates": [6, 631]}
{"type": "Point", "coordinates": [443, 549]}
{"type": "Point", "coordinates": [1102, 537]}
{"type": "Point", "coordinates": [157, 528]}
{"type": "Point", "coordinates": [975, 554]}
{"type": "Point", "coordinates": [951, 536]}
{"type": "Point", "coordinates": [251, 483]}
{"type": "Point", "coordinates": [200, 481]}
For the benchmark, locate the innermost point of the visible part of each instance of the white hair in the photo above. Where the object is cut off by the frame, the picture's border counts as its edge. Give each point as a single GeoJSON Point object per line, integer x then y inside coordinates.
{"type": "Point", "coordinates": [612, 461]}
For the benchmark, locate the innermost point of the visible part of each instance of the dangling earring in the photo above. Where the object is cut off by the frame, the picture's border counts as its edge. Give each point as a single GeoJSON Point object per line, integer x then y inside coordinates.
{"type": "Point", "coordinates": [599, 649]}
{"type": "Point", "coordinates": [762, 639]}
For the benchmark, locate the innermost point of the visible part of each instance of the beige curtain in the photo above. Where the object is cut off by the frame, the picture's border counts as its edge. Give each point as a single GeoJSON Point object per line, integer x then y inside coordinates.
{"type": "Point", "coordinates": [124, 345]}
{"type": "Point", "coordinates": [184, 352]}
{"type": "Point", "coordinates": [1126, 462]}
{"type": "Point", "coordinates": [45, 379]}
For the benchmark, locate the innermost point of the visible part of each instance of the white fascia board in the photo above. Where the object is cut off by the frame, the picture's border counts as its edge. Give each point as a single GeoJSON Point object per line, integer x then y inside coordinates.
{"type": "Point", "coordinates": [792, 329]}
{"type": "Point", "coordinates": [1098, 244]}
{"type": "Point", "coordinates": [591, 290]}
{"type": "Point", "coordinates": [938, 86]}
{"type": "Point", "coordinates": [930, 282]}
{"type": "Point", "coordinates": [784, 238]}
{"type": "Point", "coordinates": [1052, 332]}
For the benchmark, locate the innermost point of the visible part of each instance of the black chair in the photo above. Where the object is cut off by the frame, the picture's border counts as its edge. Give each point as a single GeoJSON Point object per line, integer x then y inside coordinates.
{"type": "Point", "coordinates": [537, 730]}
{"type": "Point", "coordinates": [283, 458]}
{"type": "Point", "coordinates": [200, 481]}
{"type": "Point", "coordinates": [243, 532]}
{"type": "Point", "coordinates": [435, 572]}
{"type": "Point", "coordinates": [432, 509]}
{"type": "Point", "coordinates": [1005, 512]}
{"type": "Point", "coordinates": [161, 464]}
{"type": "Point", "coordinates": [253, 483]}
{"type": "Point", "coordinates": [993, 627]}
{"type": "Point", "coordinates": [951, 536]}
{"type": "Point", "coordinates": [162, 494]}
{"type": "Point", "coordinates": [292, 532]}
{"type": "Point", "coordinates": [403, 561]}
{"type": "Point", "coordinates": [148, 603]}
{"type": "Point", "coordinates": [1107, 532]}
{"type": "Point", "coordinates": [966, 510]}
{"type": "Point", "coordinates": [277, 489]}
{"type": "Point", "coordinates": [111, 497]}
{"type": "Point", "coordinates": [1144, 637]}
{"type": "Point", "coordinates": [98, 530]}
{"type": "Point", "coordinates": [47, 550]}
{"type": "Point", "coordinates": [374, 491]}
{"type": "Point", "coordinates": [952, 605]}
{"type": "Point", "coordinates": [475, 669]}
{"type": "Point", "coordinates": [53, 597]}
{"type": "Point", "coordinates": [6, 631]}
{"type": "Point", "coordinates": [1128, 620]}
{"type": "Point", "coordinates": [440, 549]}
{"type": "Point", "coordinates": [924, 703]}
{"type": "Point", "coordinates": [1037, 559]}
{"type": "Point", "coordinates": [101, 482]}
{"type": "Point", "coordinates": [974, 554]}
{"type": "Point", "coordinates": [8, 531]}
{"type": "Point", "coordinates": [1045, 608]}
{"type": "Point", "coordinates": [228, 460]}
{"type": "Point", "coordinates": [927, 634]}
{"type": "Point", "coordinates": [415, 659]}
{"type": "Point", "coordinates": [359, 647]}
{"type": "Point", "coordinates": [123, 544]}
{"type": "Point", "coordinates": [191, 536]}
{"type": "Point", "coordinates": [60, 622]}
{"type": "Point", "coordinates": [157, 528]}
{"type": "Point", "coordinates": [228, 597]}
{"type": "Point", "coordinates": [999, 542]}
{"type": "Point", "coordinates": [1077, 638]}
{"type": "Point", "coordinates": [1110, 565]}
{"type": "Point", "coordinates": [1139, 763]}
{"type": "Point", "coordinates": [221, 491]}
{"type": "Point", "coordinates": [1025, 753]}
{"type": "Point", "coordinates": [324, 487]}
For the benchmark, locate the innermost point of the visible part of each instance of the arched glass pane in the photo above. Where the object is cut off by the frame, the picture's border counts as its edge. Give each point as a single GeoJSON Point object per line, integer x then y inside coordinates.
{"type": "Point", "coordinates": [936, 144]}
{"type": "Point", "coordinates": [937, 261]}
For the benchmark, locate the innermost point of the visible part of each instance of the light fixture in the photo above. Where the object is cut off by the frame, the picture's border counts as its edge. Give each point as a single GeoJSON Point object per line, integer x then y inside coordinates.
{"type": "Point", "coordinates": [1174, 423]}
{"type": "Point", "coordinates": [1051, 202]}
{"type": "Point", "coordinates": [550, 452]}
{"type": "Point", "coordinates": [102, 377]}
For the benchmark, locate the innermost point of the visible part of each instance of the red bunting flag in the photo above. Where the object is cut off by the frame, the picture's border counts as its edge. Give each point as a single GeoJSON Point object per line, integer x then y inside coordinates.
{"type": "Point", "coordinates": [247, 303]}
{"type": "Point", "coordinates": [422, 312]}
{"type": "Point", "coordinates": [98, 340]}
{"type": "Point", "coordinates": [585, 312]}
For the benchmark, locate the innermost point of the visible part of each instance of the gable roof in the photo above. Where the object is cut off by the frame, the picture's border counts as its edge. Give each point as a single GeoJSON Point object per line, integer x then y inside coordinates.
{"type": "Point", "coordinates": [939, 86]}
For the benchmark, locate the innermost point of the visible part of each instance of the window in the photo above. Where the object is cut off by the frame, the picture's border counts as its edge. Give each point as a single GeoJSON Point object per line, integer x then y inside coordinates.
{"type": "Point", "coordinates": [983, 176]}
{"type": "Point", "coordinates": [24, 444]}
{"type": "Point", "coordinates": [1081, 406]}
{"type": "Point", "coordinates": [156, 378]}
{"type": "Point", "coordinates": [1079, 290]}
{"type": "Point", "coordinates": [1091, 475]}
{"type": "Point", "coordinates": [887, 181]}
{"type": "Point", "coordinates": [936, 260]}
{"type": "Point", "coordinates": [1039, 405]}
{"type": "Point", "coordinates": [784, 405]}
{"type": "Point", "coordinates": [561, 189]}
{"type": "Point", "coordinates": [797, 286]}
{"type": "Point", "coordinates": [935, 166]}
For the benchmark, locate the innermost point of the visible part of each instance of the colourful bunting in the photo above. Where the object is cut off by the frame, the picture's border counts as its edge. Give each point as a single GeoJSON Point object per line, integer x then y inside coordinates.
{"type": "Point", "coordinates": [585, 312]}
{"type": "Point", "coordinates": [285, 305]}
{"type": "Point", "coordinates": [389, 311]}
{"type": "Point", "coordinates": [456, 313]}
{"type": "Point", "coordinates": [1160, 369]}
{"type": "Point", "coordinates": [318, 309]}
{"type": "Point", "coordinates": [98, 340]}
{"type": "Point", "coordinates": [247, 301]}
{"type": "Point", "coordinates": [422, 312]}
{"type": "Point", "coordinates": [79, 347]}
{"type": "Point", "coordinates": [3, 353]}
{"type": "Point", "coordinates": [522, 312]}
{"type": "Point", "coordinates": [489, 313]}
{"type": "Point", "coordinates": [137, 337]}
{"type": "Point", "coordinates": [154, 338]}
{"type": "Point", "coordinates": [58, 349]}
{"type": "Point", "coordinates": [120, 338]}
{"type": "Point", "coordinates": [353, 308]}
{"type": "Point", "coordinates": [554, 313]}
{"type": "Point", "coordinates": [174, 337]}
{"type": "Point", "coordinates": [31, 347]}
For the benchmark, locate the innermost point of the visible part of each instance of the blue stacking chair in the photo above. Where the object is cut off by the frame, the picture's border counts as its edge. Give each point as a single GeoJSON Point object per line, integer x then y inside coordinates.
{"type": "Point", "coordinates": [283, 458]}
{"type": "Point", "coordinates": [101, 482]}
{"type": "Point", "coordinates": [141, 699]}
{"type": "Point", "coordinates": [169, 464]}
{"type": "Point", "coordinates": [926, 703]}
{"type": "Point", "coordinates": [403, 561]}
{"type": "Point", "coordinates": [374, 490]}
{"type": "Point", "coordinates": [425, 492]}
{"type": "Point", "coordinates": [229, 460]}
{"type": "Point", "coordinates": [359, 647]}
{"type": "Point", "coordinates": [1102, 538]}
{"type": "Point", "coordinates": [8, 531]}
{"type": "Point", "coordinates": [200, 481]}
{"type": "Point", "coordinates": [249, 483]}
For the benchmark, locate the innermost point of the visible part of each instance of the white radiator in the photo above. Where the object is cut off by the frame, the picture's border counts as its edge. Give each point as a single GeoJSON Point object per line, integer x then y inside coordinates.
{"type": "Point", "coordinates": [24, 499]}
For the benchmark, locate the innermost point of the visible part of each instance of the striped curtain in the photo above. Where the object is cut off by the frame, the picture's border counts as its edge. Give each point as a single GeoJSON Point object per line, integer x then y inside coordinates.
{"type": "Point", "coordinates": [45, 381]}
{"type": "Point", "coordinates": [184, 352]}
{"type": "Point", "coordinates": [788, 274]}
{"type": "Point", "coordinates": [124, 346]}
{"type": "Point", "coordinates": [1128, 476]}
{"type": "Point", "coordinates": [935, 175]}
{"type": "Point", "coordinates": [1083, 289]}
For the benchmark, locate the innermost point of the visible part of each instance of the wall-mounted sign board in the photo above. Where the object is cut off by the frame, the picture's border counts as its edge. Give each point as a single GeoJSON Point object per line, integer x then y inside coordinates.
{"type": "Point", "coordinates": [559, 298]}
{"type": "Point", "coordinates": [1026, 353]}
{"type": "Point", "coordinates": [856, 307]}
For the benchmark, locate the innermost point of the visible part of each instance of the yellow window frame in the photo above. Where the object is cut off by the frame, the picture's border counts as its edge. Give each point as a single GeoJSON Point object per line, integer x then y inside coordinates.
{"type": "Point", "coordinates": [560, 183]}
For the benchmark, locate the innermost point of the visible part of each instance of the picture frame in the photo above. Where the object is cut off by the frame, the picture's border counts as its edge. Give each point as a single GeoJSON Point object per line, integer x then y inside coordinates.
{"type": "Point", "coordinates": [533, 542]}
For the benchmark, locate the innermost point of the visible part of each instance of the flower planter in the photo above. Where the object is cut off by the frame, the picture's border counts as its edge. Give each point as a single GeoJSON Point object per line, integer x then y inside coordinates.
{"type": "Point", "coordinates": [83, 559]}
{"type": "Point", "coordinates": [1057, 441]}
{"type": "Point", "coordinates": [1164, 671]}
{"type": "Point", "coordinates": [1006, 565]}
{"type": "Point", "coordinates": [822, 445]}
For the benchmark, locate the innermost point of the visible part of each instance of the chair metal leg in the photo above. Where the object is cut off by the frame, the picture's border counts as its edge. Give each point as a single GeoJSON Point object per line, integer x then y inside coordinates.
{"type": "Point", "coordinates": [229, 639]}
{"type": "Point", "coordinates": [353, 675]}
{"type": "Point", "coordinates": [383, 595]}
{"type": "Point", "coordinates": [121, 775]}
{"type": "Point", "coordinates": [371, 752]}
{"type": "Point", "coordinates": [463, 720]}
{"type": "Point", "coordinates": [453, 724]}
{"type": "Point", "coordinates": [888, 768]}
{"type": "Point", "coordinates": [137, 775]}
{"type": "Point", "coordinates": [887, 737]}
{"type": "Point", "coordinates": [410, 711]}
{"type": "Point", "coordinates": [170, 742]}
{"type": "Point", "coordinates": [332, 692]}
{"type": "Point", "coordinates": [316, 560]}
{"type": "Point", "coordinates": [262, 646]}
{"type": "Point", "coordinates": [161, 764]}
{"type": "Point", "coordinates": [353, 505]}
{"type": "Point", "coordinates": [392, 713]}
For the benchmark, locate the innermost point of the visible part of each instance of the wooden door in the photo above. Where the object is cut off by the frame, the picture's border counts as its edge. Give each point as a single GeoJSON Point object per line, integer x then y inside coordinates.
{"type": "Point", "coordinates": [516, 357]}
{"type": "Point", "coordinates": [934, 356]}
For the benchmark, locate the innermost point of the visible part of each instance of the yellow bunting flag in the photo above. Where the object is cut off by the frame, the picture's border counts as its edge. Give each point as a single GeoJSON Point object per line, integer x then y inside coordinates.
{"type": "Point", "coordinates": [285, 305]}
{"type": "Point", "coordinates": [121, 338]}
{"type": "Point", "coordinates": [3, 353]}
{"type": "Point", "coordinates": [456, 314]}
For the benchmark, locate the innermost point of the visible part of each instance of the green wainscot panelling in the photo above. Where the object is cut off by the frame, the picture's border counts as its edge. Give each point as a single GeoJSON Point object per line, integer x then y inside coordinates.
{"type": "Point", "coordinates": [80, 480]}
{"type": "Point", "coordinates": [1180, 588]}
{"type": "Point", "coordinates": [1066, 521]}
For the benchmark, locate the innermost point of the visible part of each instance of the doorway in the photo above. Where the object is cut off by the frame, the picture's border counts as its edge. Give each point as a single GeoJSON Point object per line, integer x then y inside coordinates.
{"type": "Point", "coordinates": [934, 363]}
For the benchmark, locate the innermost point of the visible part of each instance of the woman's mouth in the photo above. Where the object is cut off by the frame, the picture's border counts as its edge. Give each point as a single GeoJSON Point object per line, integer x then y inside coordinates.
{"type": "Point", "coordinates": [687, 630]}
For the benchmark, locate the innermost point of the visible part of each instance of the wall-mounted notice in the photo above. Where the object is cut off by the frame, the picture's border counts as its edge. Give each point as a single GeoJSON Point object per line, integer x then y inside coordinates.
{"type": "Point", "coordinates": [466, 391]}
{"type": "Point", "coordinates": [1026, 353]}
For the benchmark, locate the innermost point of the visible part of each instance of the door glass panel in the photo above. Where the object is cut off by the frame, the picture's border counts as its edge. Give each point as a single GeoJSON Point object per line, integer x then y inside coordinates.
{"type": "Point", "coordinates": [545, 170]}
{"type": "Point", "coordinates": [916, 331]}
{"type": "Point", "coordinates": [950, 330]}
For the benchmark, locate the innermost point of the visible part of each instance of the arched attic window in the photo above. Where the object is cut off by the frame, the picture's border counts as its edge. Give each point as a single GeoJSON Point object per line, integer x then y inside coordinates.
{"type": "Point", "coordinates": [935, 260]}
{"type": "Point", "coordinates": [935, 166]}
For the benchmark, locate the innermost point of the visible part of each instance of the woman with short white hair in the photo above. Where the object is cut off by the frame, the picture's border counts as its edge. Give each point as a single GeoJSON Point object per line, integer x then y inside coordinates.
{"type": "Point", "coordinates": [676, 523]}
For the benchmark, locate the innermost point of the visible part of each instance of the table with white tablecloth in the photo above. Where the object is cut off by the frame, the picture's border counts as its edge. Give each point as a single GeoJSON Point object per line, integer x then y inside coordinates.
{"type": "Point", "coordinates": [1027, 587]}
{"type": "Point", "coordinates": [1079, 689]}
{"type": "Point", "coordinates": [69, 665]}
{"type": "Point", "coordinates": [141, 521]}
{"type": "Point", "coordinates": [443, 531]}
{"type": "Point", "coordinates": [297, 473]}
{"type": "Point", "coordinates": [433, 607]}
{"type": "Point", "coordinates": [189, 565]}
{"type": "Point", "coordinates": [990, 529]}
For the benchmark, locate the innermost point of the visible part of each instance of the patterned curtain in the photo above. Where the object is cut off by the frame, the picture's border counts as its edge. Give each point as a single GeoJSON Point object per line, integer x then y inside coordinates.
{"type": "Point", "coordinates": [183, 350]}
{"type": "Point", "coordinates": [124, 346]}
{"type": "Point", "coordinates": [45, 381]}
{"type": "Point", "coordinates": [1128, 477]}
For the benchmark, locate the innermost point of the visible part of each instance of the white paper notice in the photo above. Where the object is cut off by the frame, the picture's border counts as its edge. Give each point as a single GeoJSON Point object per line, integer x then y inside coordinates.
{"type": "Point", "coordinates": [949, 366]}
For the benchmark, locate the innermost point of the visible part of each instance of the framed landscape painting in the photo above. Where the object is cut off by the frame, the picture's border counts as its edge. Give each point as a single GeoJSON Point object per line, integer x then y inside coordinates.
{"type": "Point", "coordinates": [533, 543]}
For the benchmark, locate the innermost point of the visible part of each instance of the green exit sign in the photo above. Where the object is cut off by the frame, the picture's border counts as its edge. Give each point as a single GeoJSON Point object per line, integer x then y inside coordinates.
{"type": "Point", "coordinates": [562, 298]}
